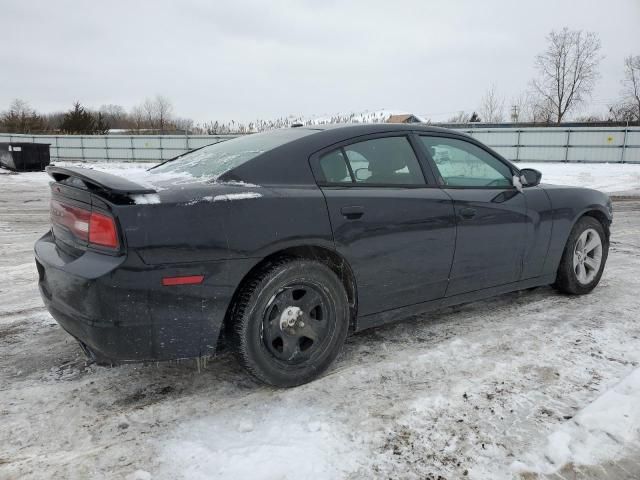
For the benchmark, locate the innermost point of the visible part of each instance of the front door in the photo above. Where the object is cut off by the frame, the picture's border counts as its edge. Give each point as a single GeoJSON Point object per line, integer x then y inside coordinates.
{"type": "Point", "coordinates": [396, 231]}
{"type": "Point", "coordinates": [490, 214]}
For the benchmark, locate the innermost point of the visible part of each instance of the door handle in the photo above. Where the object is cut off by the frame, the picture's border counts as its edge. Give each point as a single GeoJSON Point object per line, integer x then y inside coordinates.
{"type": "Point", "coordinates": [352, 212]}
{"type": "Point", "coordinates": [467, 212]}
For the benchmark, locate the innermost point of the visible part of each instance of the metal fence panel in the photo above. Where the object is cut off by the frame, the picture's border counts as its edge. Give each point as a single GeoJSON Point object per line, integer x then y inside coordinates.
{"type": "Point", "coordinates": [507, 152]}
{"type": "Point", "coordinates": [198, 142]}
{"type": "Point", "coordinates": [508, 137]}
{"type": "Point", "coordinates": [598, 138]}
{"type": "Point", "coordinates": [93, 142]}
{"type": "Point", "coordinates": [633, 137]}
{"type": "Point", "coordinates": [552, 144]}
{"type": "Point", "coordinates": [70, 142]}
{"type": "Point", "coordinates": [118, 142]}
{"type": "Point", "coordinates": [541, 138]}
{"type": "Point", "coordinates": [590, 154]}
{"type": "Point", "coordinates": [532, 154]}
{"type": "Point", "coordinates": [146, 142]}
{"type": "Point", "coordinates": [70, 153]}
{"type": "Point", "coordinates": [632, 155]}
{"type": "Point", "coordinates": [121, 154]}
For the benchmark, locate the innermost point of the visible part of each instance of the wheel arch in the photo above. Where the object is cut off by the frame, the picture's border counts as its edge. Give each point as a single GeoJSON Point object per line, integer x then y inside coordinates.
{"type": "Point", "coordinates": [336, 262]}
{"type": "Point", "coordinates": [599, 215]}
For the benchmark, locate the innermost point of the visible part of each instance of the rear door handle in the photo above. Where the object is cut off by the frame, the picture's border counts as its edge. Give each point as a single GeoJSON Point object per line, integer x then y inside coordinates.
{"type": "Point", "coordinates": [467, 212]}
{"type": "Point", "coordinates": [352, 212]}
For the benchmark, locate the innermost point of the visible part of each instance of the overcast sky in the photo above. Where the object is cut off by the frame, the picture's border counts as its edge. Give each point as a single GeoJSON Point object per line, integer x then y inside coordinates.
{"type": "Point", "coordinates": [265, 59]}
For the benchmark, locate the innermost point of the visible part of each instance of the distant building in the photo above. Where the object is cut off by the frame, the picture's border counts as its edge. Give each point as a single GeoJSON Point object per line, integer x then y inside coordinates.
{"type": "Point", "coordinates": [406, 118]}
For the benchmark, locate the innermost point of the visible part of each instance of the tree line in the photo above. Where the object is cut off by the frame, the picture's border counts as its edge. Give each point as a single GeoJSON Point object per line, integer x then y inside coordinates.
{"type": "Point", "coordinates": [567, 73]}
{"type": "Point", "coordinates": [153, 115]}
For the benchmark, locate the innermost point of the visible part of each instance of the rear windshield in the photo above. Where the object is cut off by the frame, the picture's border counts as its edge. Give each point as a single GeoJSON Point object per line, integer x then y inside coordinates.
{"type": "Point", "coordinates": [214, 160]}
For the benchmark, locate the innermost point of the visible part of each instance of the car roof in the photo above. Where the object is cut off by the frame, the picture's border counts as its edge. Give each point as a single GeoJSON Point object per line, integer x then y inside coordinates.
{"type": "Point", "coordinates": [324, 135]}
{"type": "Point", "coordinates": [365, 128]}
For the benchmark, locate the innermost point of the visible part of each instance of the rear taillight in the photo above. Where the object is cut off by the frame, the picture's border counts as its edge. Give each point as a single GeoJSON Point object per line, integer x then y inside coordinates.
{"type": "Point", "coordinates": [92, 227]}
{"type": "Point", "coordinates": [102, 230]}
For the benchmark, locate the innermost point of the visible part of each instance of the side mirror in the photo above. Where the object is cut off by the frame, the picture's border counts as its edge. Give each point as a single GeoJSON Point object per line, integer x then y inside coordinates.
{"type": "Point", "coordinates": [530, 177]}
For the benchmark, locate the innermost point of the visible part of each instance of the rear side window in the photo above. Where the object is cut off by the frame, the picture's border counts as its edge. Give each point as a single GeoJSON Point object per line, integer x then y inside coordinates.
{"type": "Point", "coordinates": [334, 167]}
{"type": "Point", "coordinates": [381, 161]}
{"type": "Point", "coordinates": [214, 160]}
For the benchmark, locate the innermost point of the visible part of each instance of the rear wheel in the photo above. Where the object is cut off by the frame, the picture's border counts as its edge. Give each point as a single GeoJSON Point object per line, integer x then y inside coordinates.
{"type": "Point", "coordinates": [584, 257]}
{"type": "Point", "coordinates": [290, 322]}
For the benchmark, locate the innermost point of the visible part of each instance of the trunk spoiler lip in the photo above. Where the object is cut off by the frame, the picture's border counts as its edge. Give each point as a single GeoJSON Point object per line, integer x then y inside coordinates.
{"type": "Point", "coordinates": [104, 181]}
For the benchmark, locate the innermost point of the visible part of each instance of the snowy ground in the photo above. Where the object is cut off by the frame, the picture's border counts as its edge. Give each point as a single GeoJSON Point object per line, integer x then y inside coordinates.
{"type": "Point", "coordinates": [614, 178]}
{"type": "Point", "coordinates": [526, 385]}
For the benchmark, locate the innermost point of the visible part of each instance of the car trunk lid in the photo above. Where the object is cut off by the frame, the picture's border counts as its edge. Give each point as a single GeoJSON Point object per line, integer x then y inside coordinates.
{"type": "Point", "coordinates": [82, 209]}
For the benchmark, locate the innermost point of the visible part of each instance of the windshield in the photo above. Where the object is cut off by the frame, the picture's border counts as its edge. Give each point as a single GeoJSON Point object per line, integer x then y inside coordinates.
{"type": "Point", "coordinates": [219, 158]}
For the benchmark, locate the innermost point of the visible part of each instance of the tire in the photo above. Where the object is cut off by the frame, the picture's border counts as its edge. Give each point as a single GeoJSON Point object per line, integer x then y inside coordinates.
{"type": "Point", "coordinates": [573, 278]}
{"type": "Point", "coordinates": [290, 321]}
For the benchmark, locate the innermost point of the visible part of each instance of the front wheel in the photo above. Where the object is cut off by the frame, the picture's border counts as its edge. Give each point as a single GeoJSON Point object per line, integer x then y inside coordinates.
{"type": "Point", "coordinates": [584, 257]}
{"type": "Point", "coordinates": [290, 322]}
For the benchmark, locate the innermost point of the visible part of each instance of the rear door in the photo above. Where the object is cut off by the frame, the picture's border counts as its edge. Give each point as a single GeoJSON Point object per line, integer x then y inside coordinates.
{"type": "Point", "coordinates": [395, 227]}
{"type": "Point", "coordinates": [490, 213]}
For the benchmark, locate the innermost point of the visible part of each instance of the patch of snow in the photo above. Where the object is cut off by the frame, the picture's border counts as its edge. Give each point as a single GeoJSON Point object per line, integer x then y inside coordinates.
{"type": "Point", "coordinates": [237, 183]}
{"type": "Point", "coordinates": [139, 475]}
{"type": "Point", "coordinates": [138, 173]}
{"type": "Point", "coordinates": [229, 197]}
{"type": "Point", "coordinates": [607, 177]}
{"type": "Point", "coordinates": [146, 199]}
{"type": "Point", "coordinates": [599, 433]}
{"type": "Point", "coordinates": [284, 443]}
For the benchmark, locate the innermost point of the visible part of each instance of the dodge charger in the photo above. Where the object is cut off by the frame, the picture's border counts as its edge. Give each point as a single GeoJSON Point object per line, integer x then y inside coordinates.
{"type": "Point", "coordinates": [278, 245]}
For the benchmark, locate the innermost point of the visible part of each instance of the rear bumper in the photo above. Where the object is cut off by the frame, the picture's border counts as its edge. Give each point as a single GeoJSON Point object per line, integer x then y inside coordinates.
{"type": "Point", "coordinates": [118, 308]}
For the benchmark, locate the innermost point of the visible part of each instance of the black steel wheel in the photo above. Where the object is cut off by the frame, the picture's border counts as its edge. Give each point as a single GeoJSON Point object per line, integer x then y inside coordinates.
{"type": "Point", "coordinates": [296, 323]}
{"type": "Point", "coordinates": [290, 321]}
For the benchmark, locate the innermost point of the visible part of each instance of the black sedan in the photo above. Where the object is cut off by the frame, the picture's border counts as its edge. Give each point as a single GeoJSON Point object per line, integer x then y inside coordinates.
{"type": "Point", "coordinates": [279, 244]}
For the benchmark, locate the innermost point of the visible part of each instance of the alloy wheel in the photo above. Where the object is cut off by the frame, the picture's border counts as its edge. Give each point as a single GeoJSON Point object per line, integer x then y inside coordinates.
{"type": "Point", "coordinates": [587, 256]}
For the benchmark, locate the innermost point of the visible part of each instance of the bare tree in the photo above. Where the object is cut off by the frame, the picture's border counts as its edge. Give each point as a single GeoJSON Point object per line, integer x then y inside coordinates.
{"type": "Point", "coordinates": [164, 111]}
{"type": "Point", "coordinates": [623, 112]}
{"type": "Point", "coordinates": [148, 108]}
{"type": "Point", "coordinates": [185, 124]}
{"type": "Point", "coordinates": [157, 113]}
{"type": "Point", "coordinates": [115, 115]}
{"type": "Point", "coordinates": [542, 110]}
{"type": "Point", "coordinates": [137, 117]}
{"type": "Point", "coordinates": [460, 117]}
{"type": "Point", "coordinates": [568, 70]}
{"type": "Point", "coordinates": [492, 106]}
{"type": "Point", "coordinates": [631, 82]}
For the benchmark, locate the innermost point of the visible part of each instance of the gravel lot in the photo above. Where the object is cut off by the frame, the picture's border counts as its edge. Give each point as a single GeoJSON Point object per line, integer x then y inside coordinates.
{"type": "Point", "coordinates": [526, 385]}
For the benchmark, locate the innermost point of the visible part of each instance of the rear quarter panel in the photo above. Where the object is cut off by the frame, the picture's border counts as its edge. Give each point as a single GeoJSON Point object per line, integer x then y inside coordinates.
{"type": "Point", "coordinates": [231, 226]}
{"type": "Point", "coordinates": [282, 217]}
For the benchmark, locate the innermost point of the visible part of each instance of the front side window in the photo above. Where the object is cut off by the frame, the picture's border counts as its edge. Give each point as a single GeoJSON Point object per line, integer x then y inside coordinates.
{"type": "Point", "coordinates": [463, 164]}
{"type": "Point", "coordinates": [381, 161]}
